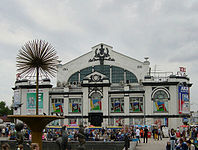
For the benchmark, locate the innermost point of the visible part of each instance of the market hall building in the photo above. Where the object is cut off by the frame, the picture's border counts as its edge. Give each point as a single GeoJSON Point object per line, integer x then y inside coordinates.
{"type": "Point", "coordinates": [106, 88]}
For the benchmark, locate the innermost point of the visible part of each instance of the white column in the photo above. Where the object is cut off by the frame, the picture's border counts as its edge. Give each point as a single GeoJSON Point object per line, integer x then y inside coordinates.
{"type": "Point", "coordinates": [66, 104]}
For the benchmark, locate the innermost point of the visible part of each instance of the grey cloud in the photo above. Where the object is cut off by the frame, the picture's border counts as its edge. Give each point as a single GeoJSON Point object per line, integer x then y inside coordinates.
{"type": "Point", "coordinates": [164, 30]}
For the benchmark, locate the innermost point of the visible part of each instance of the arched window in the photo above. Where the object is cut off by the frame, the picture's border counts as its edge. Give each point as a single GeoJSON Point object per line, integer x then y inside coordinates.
{"type": "Point", "coordinates": [84, 72]}
{"type": "Point", "coordinates": [130, 77]}
{"type": "Point", "coordinates": [104, 69]}
{"type": "Point", "coordinates": [160, 99]}
{"type": "Point", "coordinates": [73, 77]}
{"type": "Point", "coordinates": [117, 74]}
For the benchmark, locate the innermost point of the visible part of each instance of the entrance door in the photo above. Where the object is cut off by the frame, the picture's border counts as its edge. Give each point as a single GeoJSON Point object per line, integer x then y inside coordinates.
{"type": "Point", "coordinates": [96, 119]}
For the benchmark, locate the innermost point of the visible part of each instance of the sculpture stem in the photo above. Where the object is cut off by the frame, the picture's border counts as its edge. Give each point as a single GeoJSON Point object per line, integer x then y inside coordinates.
{"type": "Point", "coordinates": [37, 89]}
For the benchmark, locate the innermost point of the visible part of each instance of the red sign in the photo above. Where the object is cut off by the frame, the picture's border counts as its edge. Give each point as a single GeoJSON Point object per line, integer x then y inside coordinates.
{"type": "Point", "coordinates": [182, 69]}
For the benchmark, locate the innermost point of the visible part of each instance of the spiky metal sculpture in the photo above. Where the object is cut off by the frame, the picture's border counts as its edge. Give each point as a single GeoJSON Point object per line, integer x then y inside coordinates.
{"type": "Point", "coordinates": [36, 57]}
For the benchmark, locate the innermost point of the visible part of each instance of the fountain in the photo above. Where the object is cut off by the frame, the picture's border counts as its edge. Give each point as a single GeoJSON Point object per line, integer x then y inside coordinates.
{"type": "Point", "coordinates": [36, 56]}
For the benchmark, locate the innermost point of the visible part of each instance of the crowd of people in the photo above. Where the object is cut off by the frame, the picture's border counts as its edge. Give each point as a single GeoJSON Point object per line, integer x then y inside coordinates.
{"type": "Point", "coordinates": [185, 140]}
{"type": "Point", "coordinates": [179, 139]}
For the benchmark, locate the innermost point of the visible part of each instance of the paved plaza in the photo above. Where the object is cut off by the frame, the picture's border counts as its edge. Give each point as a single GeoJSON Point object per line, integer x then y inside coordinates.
{"type": "Point", "coordinates": [152, 145]}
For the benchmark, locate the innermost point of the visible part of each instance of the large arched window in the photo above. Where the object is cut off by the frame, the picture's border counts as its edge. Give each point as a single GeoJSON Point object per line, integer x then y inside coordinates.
{"type": "Point", "coordinates": [130, 77]}
{"type": "Point", "coordinates": [114, 73]}
{"type": "Point", "coordinates": [74, 77]}
{"type": "Point", "coordinates": [104, 69]}
{"type": "Point", "coordinates": [84, 72]}
{"type": "Point", "coordinates": [160, 99]}
{"type": "Point", "coordinates": [117, 74]}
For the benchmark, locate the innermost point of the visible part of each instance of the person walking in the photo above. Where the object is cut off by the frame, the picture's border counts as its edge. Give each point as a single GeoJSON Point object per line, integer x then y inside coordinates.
{"type": "Point", "coordinates": [159, 134]}
{"type": "Point", "coordinates": [172, 139]}
{"type": "Point", "coordinates": [145, 134]}
{"type": "Point", "coordinates": [137, 132]}
{"type": "Point", "coordinates": [126, 141]}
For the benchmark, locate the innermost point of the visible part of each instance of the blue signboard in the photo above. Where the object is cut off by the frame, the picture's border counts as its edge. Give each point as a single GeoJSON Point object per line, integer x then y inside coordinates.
{"type": "Point", "coordinates": [184, 102]}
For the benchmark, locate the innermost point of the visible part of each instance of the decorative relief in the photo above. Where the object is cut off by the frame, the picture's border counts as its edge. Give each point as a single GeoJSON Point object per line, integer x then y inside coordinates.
{"type": "Point", "coordinates": [95, 78]}
{"type": "Point", "coordinates": [95, 89]}
{"type": "Point", "coordinates": [101, 54]}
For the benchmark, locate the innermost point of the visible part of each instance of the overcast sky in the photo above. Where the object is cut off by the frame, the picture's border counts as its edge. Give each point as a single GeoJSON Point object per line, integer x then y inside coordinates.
{"type": "Point", "coordinates": [164, 30]}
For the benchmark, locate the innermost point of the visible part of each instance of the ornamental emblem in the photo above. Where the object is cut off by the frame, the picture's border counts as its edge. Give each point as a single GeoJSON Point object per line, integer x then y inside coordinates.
{"type": "Point", "coordinates": [96, 78]}
{"type": "Point", "coordinates": [101, 54]}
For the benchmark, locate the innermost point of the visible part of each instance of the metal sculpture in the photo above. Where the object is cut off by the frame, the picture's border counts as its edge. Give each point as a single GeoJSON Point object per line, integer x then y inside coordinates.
{"type": "Point", "coordinates": [19, 134]}
{"type": "Point", "coordinates": [81, 138]}
{"type": "Point", "coordinates": [63, 140]}
{"type": "Point", "coordinates": [102, 54]}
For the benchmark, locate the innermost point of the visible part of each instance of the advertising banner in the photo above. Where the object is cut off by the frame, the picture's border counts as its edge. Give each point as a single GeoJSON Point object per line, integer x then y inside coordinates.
{"type": "Point", "coordinates": [31, 100]}
{"type": "Point", "coordinates": [96, 104]}
{"type": "Point", "coordinates": [184, 102]}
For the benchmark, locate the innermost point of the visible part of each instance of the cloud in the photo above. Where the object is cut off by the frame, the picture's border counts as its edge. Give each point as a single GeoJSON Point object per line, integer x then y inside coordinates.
{"type": "Point", "coordinates": [10, 35]}
{"type": "Point", "coordinates": [186, 53]}
{"type": "Point", "coordinates": [164, 30]}
{"type": "Point", "coordinates": [52, 15]}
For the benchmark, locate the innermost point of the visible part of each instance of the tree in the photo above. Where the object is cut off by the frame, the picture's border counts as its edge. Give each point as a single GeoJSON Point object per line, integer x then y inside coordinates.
{"type": "Point", "coordinates": [36, 57]}
{"type": "Point", "coordinates": [4, 110]}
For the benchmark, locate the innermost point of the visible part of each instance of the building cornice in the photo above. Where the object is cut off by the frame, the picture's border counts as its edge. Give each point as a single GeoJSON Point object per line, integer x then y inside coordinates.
{"type": "Point", "coordinates": [125, 92]}
{"type": "Point", "coordinates": [31, 86]}
{"type": "Point", "coordinates": [159, 83]}
{"type": "Point", "coordinates": [65, 93]}
{"type": "Point", "coordinates": [134, 116]}
{"type": "Point", "coordinates": [96, 85]}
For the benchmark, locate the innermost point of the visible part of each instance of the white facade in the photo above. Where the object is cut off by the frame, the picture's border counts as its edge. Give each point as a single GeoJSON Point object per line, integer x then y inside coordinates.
{"type": "Point", "coordinates": [105, 88]}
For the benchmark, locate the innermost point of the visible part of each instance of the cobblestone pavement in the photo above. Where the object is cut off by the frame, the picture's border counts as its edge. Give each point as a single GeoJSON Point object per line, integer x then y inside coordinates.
{"type": "Point", "coordinates": [152, 144]}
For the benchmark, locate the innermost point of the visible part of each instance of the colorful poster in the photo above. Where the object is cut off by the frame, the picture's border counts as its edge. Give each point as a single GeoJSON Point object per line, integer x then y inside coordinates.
{"type": "Point", "coordinates": [161, 121]}
{"type": "Point", "coordinates": [138, 121]}
{"type": "Point", "coordinates": [117, 107]}
{"type": "Point", "coordinates": [135, 107]}
{"type": "Point", "coordinates": [75, 108]}
{"type": "Point", "coordinates": [160, 106]}
{"type": "Point", "coordinates": [72, 121]}
{"type": "Point", "coordinates": [96, 104]}
{"type": "Point", "coordinates": [184, 102]}
{"type": "Point", "coordinates": [57, 108]}
{"type": "Point", "coordinates": [31, 100]}
{"type": "Point", "coordinates": [119, 121]}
